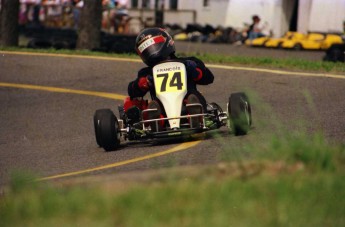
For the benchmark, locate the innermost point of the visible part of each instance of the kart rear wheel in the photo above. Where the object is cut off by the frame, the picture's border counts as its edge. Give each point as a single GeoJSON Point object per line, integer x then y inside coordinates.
{"type": "Point", "coordinates": [107, 129]}
{"type": "Point", "coordinates": [239, 111]}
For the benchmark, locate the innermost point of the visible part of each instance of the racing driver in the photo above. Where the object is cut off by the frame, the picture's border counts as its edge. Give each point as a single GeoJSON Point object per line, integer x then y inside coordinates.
{"type": "Point", "coordinates": [155, 45]}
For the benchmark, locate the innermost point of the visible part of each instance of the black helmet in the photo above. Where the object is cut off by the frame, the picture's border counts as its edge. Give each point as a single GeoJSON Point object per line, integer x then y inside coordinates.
{"type": "Point", "coordinates": [154, 45]}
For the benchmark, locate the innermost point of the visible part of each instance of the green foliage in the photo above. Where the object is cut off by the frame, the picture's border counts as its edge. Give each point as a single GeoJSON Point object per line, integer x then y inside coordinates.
{"type": "Point", "coordinates": [313, 151]}
{"type": "Point", "coordinates": [39, 203]}
{"type": "Point", "coordinates": [298, 199]}
{"type": "Point", "coordinates": [289, 179]}
{"type": "Point", "coordinates": [292, 179]}
{"type": "Point", "coordinates": [289, 63]}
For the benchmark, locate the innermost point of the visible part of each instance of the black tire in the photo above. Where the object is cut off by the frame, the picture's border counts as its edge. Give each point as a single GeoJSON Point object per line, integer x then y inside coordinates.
{"type": "Point", "coordinates": [96, 122]}
{"type": "Point", "coordinates": [297, 47]}
{"type": "Point", "coordinates": [280, 45]}
{"type": "Point", "coordinates": [240, 115]}
{"type": "Point", "coordinates": [107, 130]}
{"type": "Point", "coordinates": [335, 53]}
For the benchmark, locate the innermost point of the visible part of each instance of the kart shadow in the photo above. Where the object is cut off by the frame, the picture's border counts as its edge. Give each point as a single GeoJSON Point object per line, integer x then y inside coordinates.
{"type": "Point", "coordinates": [195, 137]}
{"type": "Point", "coordinates": [216, 134]}
{"type": "Point", "coordinates": [155, 142]}
{"type": "Point", "coordinates": [204, 136]}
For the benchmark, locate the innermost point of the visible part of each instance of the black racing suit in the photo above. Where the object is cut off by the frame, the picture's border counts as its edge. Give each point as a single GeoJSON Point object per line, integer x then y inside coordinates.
{"type": "Point", "coordinates": [205, 77]}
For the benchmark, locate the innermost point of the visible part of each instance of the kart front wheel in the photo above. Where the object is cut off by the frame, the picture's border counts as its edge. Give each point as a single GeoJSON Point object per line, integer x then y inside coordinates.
{"type": "Point", "coordinates": [239, 111]}
{"type": "Point", "coordinates": [107, 130]}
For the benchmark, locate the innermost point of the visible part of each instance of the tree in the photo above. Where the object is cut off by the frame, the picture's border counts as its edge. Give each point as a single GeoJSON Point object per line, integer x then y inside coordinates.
{"type": "Point", "coordinates": [9, 22]}
{"type": "Point", "coordinates": [89, 32]}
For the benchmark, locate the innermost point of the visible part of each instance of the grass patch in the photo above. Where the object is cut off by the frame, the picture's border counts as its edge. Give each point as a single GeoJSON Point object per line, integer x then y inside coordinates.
{"type": "Point", "coordinates": [312, 151]}
{"type": "Point", "coordinates": [70, 52]}
{"type": "Point", "coordinates": [264, 62]}
{"type": "Point", "coordinates": [296, 181]}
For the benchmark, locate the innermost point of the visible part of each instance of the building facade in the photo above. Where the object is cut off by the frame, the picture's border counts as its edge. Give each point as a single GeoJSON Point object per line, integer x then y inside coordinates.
{"type": "Point", "coordinates": [279, 15]}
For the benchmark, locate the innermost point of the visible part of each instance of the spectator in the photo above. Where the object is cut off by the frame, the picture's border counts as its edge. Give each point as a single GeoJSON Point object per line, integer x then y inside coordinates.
{"type": "Point", "coordinates": [77, 5]}
{"type": "Point", "coordinates": [108, 15]}
{"type": "Point", "coordinates": [36, 13]}
{"type": "Point", "coordinates": [54, 13]}
{"type": "Point", "coordinates": [256, 28]}
{"type": "Point", "coordinates": [23, 17]}
{"type": "Point", "coordinates": [121, 16]}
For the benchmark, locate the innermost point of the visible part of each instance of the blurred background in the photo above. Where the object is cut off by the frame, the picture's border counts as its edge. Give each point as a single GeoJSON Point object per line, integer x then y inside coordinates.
{"type": "Point", "coordinates": [111, 25]}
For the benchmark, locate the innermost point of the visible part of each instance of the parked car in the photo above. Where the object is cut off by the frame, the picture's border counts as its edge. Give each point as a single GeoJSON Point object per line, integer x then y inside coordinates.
{"type": "Point", "coordinates": [330, 40]}
{"type": "Point", "coordinates": [277, 42]}
{"type": "Point", "coordinates": [258, 42]}
{"type": "Point", "coordinates": [313, 41]}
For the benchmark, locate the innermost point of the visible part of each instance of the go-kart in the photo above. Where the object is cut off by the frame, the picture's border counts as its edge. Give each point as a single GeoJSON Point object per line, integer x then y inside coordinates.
{"type": "Point", "coordinates": [170, 83]}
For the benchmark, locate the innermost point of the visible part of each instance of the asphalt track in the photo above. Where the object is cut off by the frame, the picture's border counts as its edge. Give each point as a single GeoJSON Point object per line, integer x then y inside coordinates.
{"type": "Point", "coordinates": [47, 105]}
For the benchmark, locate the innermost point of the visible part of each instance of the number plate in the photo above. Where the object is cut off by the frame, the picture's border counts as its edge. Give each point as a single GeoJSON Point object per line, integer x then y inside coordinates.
{"type": "Point", "coordinates": [170, 81]}
{"type": "Point", "coordinates": [170, 77]}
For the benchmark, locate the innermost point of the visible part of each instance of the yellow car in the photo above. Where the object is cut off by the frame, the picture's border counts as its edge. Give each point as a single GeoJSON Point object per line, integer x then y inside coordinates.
{"type": "Point", "coordinates": [274, 42]}
{"type": "Point", "coordinates": [312, 41]}
{"type": "Point", "coordinates": [277, 42]}
{"type": "Point", "coordinates": [330, 40]}
{"type": "Point", "coordinates": [258, 42]}
{"type": "Point", "coordinates": [298, 41]}
{"type": "Point", "coordinates": [181, 37]}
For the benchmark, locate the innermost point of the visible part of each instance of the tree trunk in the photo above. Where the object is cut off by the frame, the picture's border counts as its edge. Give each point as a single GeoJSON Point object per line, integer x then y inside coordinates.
{"type": "Point", "coordinates": [0, 20]}
{"type": "Point", "coordinates": [9, 22]}
{"type": "Point", "coordinates": [89, 31]}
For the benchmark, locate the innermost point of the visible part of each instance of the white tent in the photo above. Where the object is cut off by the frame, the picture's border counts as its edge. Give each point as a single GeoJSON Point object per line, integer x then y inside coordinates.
{"type": "Point", "coordinates": [313, 15]}
{"type": "Point", "coordinates": [303, 15]}
{"type": "Point", "coordinates": [321, 15]}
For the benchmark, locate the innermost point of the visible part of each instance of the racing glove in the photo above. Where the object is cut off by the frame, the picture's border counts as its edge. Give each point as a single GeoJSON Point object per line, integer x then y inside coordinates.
{"type": "Point", "coordinates": [145, 82]}
{"type": "Point", "coordinates": [192, 70]}
{"type": "Point", "coordinates": [150, 79]}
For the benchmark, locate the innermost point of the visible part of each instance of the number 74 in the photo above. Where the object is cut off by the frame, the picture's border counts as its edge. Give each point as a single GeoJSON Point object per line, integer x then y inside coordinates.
{"type": "Point", "coordinates": [176, 81]}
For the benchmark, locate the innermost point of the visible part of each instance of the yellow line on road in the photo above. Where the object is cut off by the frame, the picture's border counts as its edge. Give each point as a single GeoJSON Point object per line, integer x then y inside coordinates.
{"type": "Point", "coordinates": [180, 147]}
{"type": "Point", "coordinates": [64, 90]}
{"type": "Point", "coordinates": [282, 72]}
{"type": "Point", "coordinates": [70, 56]}
{"type": "Point", "coordinates": [227, 67]}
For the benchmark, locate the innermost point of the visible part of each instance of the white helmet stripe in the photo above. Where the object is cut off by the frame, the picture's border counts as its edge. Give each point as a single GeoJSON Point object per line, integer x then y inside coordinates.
{"type": "Point", "coordinates": [150, 42]}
